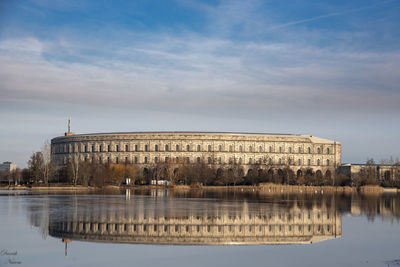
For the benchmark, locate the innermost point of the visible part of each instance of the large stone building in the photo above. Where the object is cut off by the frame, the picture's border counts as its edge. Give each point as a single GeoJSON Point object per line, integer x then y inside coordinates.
{"type": "Point", "coordinates": [267, 151]}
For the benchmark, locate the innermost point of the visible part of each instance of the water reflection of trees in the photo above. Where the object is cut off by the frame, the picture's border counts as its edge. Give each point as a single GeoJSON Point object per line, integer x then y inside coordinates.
{"type": "Point", "coordinates": [39, 216]}
{"type": "Point", "coordinates": [370, 205]}
{"type": "Point", "coordinates": [387, 206]}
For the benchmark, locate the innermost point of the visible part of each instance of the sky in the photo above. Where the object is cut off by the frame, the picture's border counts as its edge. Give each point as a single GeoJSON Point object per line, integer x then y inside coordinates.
{"type": "Point", "coordinates": [324, 68]}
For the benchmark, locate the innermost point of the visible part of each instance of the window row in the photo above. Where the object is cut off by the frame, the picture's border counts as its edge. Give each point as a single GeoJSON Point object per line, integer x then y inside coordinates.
{"type": "Point", "coordinates": [188, 148]}
{"type": "Point", "coordinates": [209, 160]}
{"type": "Point", "coordinates": [108, 227]}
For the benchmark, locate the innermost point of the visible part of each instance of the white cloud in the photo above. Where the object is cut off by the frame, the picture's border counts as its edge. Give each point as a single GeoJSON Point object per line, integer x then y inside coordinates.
{"type": "Point", "coordinates": [19, 46]}
{"type": "Point", "coordinates": [193, 72]}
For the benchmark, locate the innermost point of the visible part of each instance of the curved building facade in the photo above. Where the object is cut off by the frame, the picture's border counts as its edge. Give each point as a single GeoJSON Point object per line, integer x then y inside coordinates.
{"type": "Point", "coordinates": [298, 152]}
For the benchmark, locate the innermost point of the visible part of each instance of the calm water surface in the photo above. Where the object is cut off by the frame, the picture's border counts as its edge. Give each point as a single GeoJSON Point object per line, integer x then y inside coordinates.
{"type": "Point", "coordinates": [197, 228]}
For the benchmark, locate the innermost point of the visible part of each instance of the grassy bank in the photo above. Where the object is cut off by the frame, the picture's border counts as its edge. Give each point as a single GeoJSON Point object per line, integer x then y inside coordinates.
{"type": "Point", "coordinates": [267, 188]}
{"type": "Point", "coordinates": [51, 188]}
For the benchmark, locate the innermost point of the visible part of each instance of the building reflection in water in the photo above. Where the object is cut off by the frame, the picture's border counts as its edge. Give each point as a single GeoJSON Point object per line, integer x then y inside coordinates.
{"type": "Point", "coordinates": [157, 219]}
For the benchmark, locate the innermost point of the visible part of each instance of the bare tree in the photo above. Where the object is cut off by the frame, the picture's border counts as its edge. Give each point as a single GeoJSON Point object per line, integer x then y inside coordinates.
{"type": "Point", "coordinates": [35, 164]}
{"type": "Point", "coordinates": [132, 171]}
{"type": "Point", "coordinates": [73, 167]}
{"type": "Point", "coordinates": [48, 166]}
{"type": "Point", "coordinates": [86, 170]}
{"type": "Point", "coordinates": [17, 175]}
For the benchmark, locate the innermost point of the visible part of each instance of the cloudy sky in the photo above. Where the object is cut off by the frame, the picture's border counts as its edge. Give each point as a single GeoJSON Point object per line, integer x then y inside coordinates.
{"type": "Point", "coordinates": [325, 68]}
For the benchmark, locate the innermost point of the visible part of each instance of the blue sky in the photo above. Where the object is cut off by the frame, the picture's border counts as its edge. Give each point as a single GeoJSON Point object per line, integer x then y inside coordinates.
{"type": "Point", "coordinates": [325, 68]}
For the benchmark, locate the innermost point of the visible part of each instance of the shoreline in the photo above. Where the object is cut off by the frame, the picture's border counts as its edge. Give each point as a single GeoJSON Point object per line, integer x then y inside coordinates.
{"type": "Point", "coordinates": [262, 188]}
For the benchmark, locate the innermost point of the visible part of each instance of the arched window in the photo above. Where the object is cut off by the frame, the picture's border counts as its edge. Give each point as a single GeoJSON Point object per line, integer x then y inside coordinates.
{"type": "Point", "coordinates": [166, 147]}
{"type": "Point", "coordinates": [270, 149]}
{"type": "Point", "coordinates": [240, 160]}
{"type": "Point", "coordinates": [319, 150]}
{"type": "Point", "coordinates": [299, 173]}
{"type": "Point", "coordinates": [309, 150]}
{"type": "Point", "coordinates": [136, 159]}
{"type": "Point", "coordinates": [299, 161]}
{"type": "Point", "coordinates": [270, 161]}
{"type": "Point", "coordinates": [86, 148]}
{"type": "Point", "coordinates": [209, 148]}
{"type": "Point", "coordinates": [156, 148]}
{"type": "Point", "coordinates": [93, 148]}
{"type": "Point", "coordinates": [280, 161]}
{"type": "Point", "coordinates": [146, 148]}
{"type": "Point", "coordinates": [290, 150]}
{"type": "Point", "coordinates": [251, 148]}
{"type": "Point", "coordinates": [198, 148]}
{"type": "Point", "coordinates": [309, 162]}
{"type": "Point", "coordinates": [260, 149]}
{"type": "Point", "coordinates": [240, 148]}
{"type": "Point", "coordinates": [156, 159]}
{"type": "Point", "coordinates": [318, 162]}
{"type": "Point", "coordinates": [109, 148]}
{"type": "Point", "coordinates": [289, 161]}
{"type": "Point", "coordinates": [230, 148]}
{"type": "Point", "coordinates": [219, 160]}
{"type": "Point", "coordinates": [136, 147]}
{"type": "Point", "coordinates": [117, 148]}
{"type": "Point", "coordinates": [280, 149]}
{"type": "Point", "coordinates": [145, 160]}
{"type": "Point", "coordinates": [250, 161]}
{"type": "Point", "coordinates": [220, 148]}
{"type": "Point", "coordinates": [187, 147]}
{"type": "Point", "coordinates": [327, 162]}
{"type": "Point", "coordinates": [328, 151]}
{"type": "Point", "coordinates": [177, 148]}
{"type": "Point", "coordinates": [299, 149]}
{"type": "Point", "coordinates": [126, 148]}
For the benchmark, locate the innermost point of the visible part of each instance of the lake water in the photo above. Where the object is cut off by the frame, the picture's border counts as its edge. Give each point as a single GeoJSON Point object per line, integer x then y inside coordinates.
{"type": "Point", "coordinates": [198, 228]}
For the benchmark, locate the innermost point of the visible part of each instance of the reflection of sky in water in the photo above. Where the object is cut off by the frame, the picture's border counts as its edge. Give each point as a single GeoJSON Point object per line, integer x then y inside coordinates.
{"type": "Point", "coordinates": [364, 242]}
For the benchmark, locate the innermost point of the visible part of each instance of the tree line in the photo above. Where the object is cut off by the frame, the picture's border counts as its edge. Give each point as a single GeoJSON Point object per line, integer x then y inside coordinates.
{"type": "Point", "coordinates": [41, 170]}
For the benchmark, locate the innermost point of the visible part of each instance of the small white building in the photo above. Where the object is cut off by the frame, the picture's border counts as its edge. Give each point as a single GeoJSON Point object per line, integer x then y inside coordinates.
{"type": "Point", "coordinates": [159, 182]}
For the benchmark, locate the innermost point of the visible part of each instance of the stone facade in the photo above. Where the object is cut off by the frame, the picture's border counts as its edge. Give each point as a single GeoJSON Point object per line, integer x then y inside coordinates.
{"type": "Point", "coordinates": [276, 151]}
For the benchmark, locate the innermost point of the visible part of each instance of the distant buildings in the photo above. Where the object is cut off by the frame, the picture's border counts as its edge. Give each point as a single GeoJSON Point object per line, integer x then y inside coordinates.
{"type": "Point", "coordinates": [381, 172]}
{"type": "Point", "coordinates": [7, 166]}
